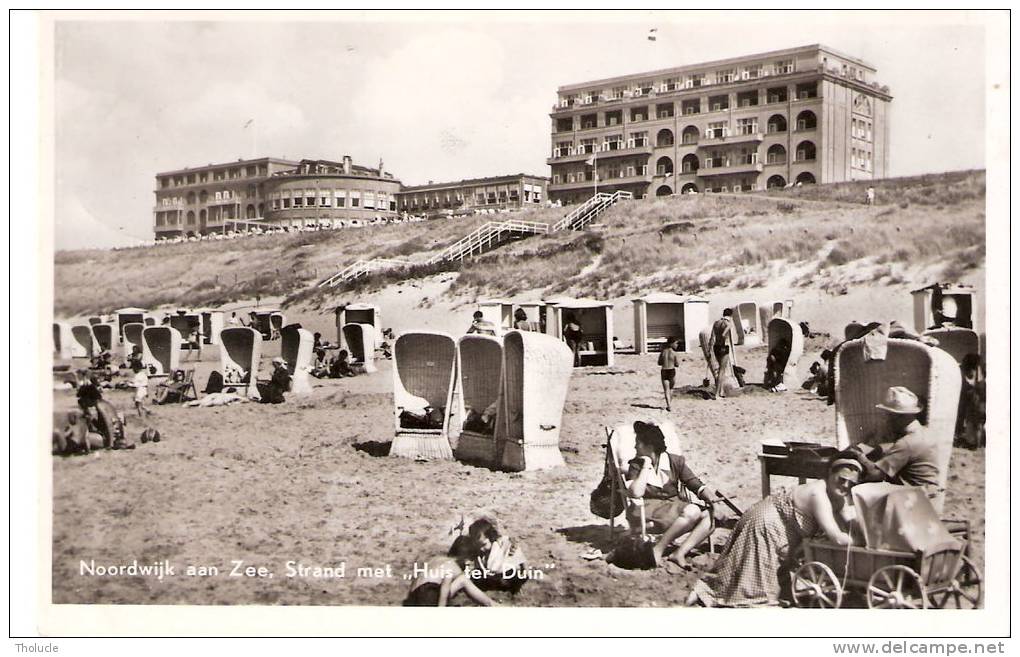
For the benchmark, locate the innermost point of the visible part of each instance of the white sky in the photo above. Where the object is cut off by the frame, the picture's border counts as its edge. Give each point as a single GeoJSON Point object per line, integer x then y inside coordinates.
{"type": "Point", "coordinates": [441, 99]}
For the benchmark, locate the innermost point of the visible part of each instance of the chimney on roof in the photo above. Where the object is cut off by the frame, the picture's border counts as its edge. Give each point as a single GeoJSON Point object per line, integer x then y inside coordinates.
{"type": "Point", "coordinates": [347, 165]}
{"type": "Point", "coordinates": [380, 168]}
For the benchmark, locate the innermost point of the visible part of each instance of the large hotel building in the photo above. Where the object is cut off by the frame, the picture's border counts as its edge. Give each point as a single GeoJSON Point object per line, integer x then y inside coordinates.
{"type": "Point", "coordinates": [802, 115]}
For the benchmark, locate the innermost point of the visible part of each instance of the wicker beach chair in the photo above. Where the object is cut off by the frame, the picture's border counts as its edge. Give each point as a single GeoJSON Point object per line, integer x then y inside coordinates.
{"type": "Point", "coordinates": [480, 367]}
{"type": "Point", "coordinates": [276, 322]}
{"type": "Point", "coordinates": [536, 376]}
{"type": "Point", "coordinates": [131, 337]}
{"type": "Point", "coordinates": [424, 366]}
{"type": "Point", "coordinates": [928, 372]}
{"type": "Point", "coordinates": [63, 341]}
{"type": "Point", "coordinates": [240, 352]}
{"type": "Point", "coordinates": [104, 335]}
{"type": "Point", "coordinates": [746, 323]}
{"type": "Point", "coordinates": [360, 344]}
{"type": "Point", "coordinates": [186, 324]}
{"type": "Point", "coordinates": [780, 329]}
{"type": "Point", "coordinates": [161, 349]}
{"type": "Point", "coordinates": [958, 342]}
{"type": "Point", "coordinates": [83, 343]}
{"type": "Point", "coordinates": [296, 350]}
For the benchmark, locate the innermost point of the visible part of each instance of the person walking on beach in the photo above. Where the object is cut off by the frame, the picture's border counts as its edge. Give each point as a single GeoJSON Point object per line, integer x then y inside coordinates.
{"type": "Point", "coordinates": [668, 362]}
{"type": "Point", "coordinates": [871, 195]}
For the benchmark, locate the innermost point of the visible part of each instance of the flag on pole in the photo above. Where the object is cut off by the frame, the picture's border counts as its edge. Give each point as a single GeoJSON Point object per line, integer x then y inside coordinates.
{"type": "Point", "coordinates": [248, 123]}
{"type": "Point", "coordinates": [591, 160]}
{"type": "Point", "coordinates": [653, 33]}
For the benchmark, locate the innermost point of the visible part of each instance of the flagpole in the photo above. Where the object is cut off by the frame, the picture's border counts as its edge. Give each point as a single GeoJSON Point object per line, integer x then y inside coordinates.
{"type": "Point", "coordinates": [595, 165]}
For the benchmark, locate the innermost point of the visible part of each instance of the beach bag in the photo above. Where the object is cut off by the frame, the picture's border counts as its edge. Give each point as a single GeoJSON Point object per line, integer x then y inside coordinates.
{"type": "Point", "coordinates": [150, 435]}
{"type": "Point", "coordinates": [602, 502]}
{"type": "Point", "coordinates": [633, 552]}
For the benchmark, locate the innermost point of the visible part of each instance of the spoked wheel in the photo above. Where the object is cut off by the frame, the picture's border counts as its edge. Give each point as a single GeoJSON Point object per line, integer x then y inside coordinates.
{"type": "Point", "coordinates": [964, 592]}
{"type": "Point", "coordinates": [896, 587]}
{"type": "Point", "coordinates": [815, 585]}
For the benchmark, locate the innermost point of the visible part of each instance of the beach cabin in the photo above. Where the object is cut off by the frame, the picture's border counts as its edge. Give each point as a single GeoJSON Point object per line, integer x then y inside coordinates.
{"type": "Point", "coordinates": [128, 316]}
{"type": "Point", "coordinates": [944, 304]}
{"type": "Point", "coordinates": [786, 341]}
{"type": "Point", "coordinates": [746, 323]}
{"type": "Point", "coordinates": [105, 335]}
{"type": "Point", "coordinates": [928, 372]}
{"type": "Point", "coordinates": [296, 350]}
{"type": "Point", "coordinates": [498, 311]}
{"type": "Point", "coordinates": [84, 343]}
{"type": "Point", "coordinates": [161, 349]}
{"type": "Point", "coordinates": [212, 323]}
{"type": "Point", "coordinates": [131, 337]}
{"type": "Point", "coordinates": [480, 368]}
{"type": "Point", "coordinates": [958, 342]}
{"type": "Point", "coordinates": [535, 311]}
{"type": "Point", "coordinates": [240, 352]}
{"type": "Point", "coordinates": [596, 321]}
{"type": "Point", "coordinates": [536, 376]}
{"type": "Point", "coordinates": [782, 309]}
{"type": "Point", "coordinates": [268, 322]}
{"type": "Point", "coordinates": [424, 406]}
{"type": "Point", "coordinates": [186, 322]}
{"type": "Point", "coordinates": [552, 325]}
{"type": "Point", "coordinates": [357, 313]}
{"type": "Point", "coordinates": [63, 341]}
{"type": "Point", "coordinates": [360, 344]}
{"type": "Point", "coordinates": [662, 315]}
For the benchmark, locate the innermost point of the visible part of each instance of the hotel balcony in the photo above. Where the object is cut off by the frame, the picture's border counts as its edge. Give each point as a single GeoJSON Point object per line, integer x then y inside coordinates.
{"type": "Point", "coordinates": [602, 155]}
{"type": "Point", "coordinates": [603, 182]}
{"type": "Point", "coordinates": [706, 171]}
{"type": "Point", "coordinates": [752, 137]}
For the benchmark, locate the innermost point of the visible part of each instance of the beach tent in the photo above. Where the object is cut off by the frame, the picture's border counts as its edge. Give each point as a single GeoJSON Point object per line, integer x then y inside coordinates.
{"type": "Point", "coordinates": [662, 315]}
{"type": "Point", "coordinates": [212, 324]}
{"type": "Point", "coordinates": [186, 322]}
{"type": "Point", "coordinates": [928, 372]}
{"type": "Point", "coordinates": [480, 368]}
{"type": "Point", "coordinates": [786, 338]}
{"type": "Point", "coordinates": [63, 341]}
{"type": "Point", "coordinates": [131, 337]}
{"type": "Point", "coordinates": [105, 335]}
{"type": "Point", "coordinates": [240, 351]}
{"type": "Point", "coordinates": [358, 313]}
{"type": "Point", "coordinates": [536, 375]}
{"type": "Point", "coordinates": [746, 321]}
{"type": "Point", "coordinates": [944, 304]}
{"type": "Point", "coordinates": [596, 320]}
{"type": "Point", "coordinates": [424, 378]}
{"type": "Point", "coordinates": [498, 311]}
{"type": "Point", "coordinates": [360, 342]}
{"type": "Point", "coordinates": [84, 345]}
{"type": "Point", "coordinates": [128, 316]}
{"type": "Point", "coordinates": [161, 349]}
{"type": "Point", "coordinates": [296, 350]}
{"type": "Point", "coordinates": [958, 342]}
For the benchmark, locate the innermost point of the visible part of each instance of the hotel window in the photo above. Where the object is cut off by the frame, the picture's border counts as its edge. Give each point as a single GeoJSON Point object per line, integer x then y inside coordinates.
{"type": "Point", "coordinates": [219, 196]}
{"type": "Point", "coordinates": [191, 179]}
{"type": "Point", "coordinates": [612, 143]}
{"type": "Point", "coordinates": [310, 198]}
{"type": "Point", "coordinates": [276, 203]}
{"type": "Point", "coordinates": [355, 199]}
{"type": "Point", "coordinates": [868, 126]}
{"type": "Point", "coordinates": [286, 203]}
{"type": "Point", "coordinates": [324, 200]}
{"type": "Point", "coordinates": [203, 177]}
{"type": "Point", "coordinates": [556, 179]}
{"type": "Point", "coordinates": [617, 93]}
{"type": "Point", "coordinates": [235, 173]}
{"type": "Point", "coordinates": [724, 76]}
{"type": "Point", "coordinates": [747, 126]}
{"type": "Point", "coordinates": [753, 72]}
{"type": "Point", "coordinates": [783, 66]}
{"type": "Point", "coordinates": [588, 145]}
{"type": "Point", "coordinates": [638, 114]}
{"type": "Point", "coordinates": [370, 200]}
{"type": "Point", "coordinates": [339, 198]}
{"type": "Point", "coordinates": [690, 107]}
{"type": "Point", "coordinates": [570, 176]}
{"type": "Point", "coordinates": [299, 201]}
{"type": "Point", "coordinates": [219, 175]}
{"type": "Point", "coordinates": [716, 130]}
{"type": "Point", "coordinates": [853, 127]}
{"type": "Point", "coordinates": [639, 139]}
{"type": "Point", "coordinates": [697, 80]}
{"type": "Point", "coordinates": [562, 149]}
{"type": "Point", "coordinates": [670, 84]}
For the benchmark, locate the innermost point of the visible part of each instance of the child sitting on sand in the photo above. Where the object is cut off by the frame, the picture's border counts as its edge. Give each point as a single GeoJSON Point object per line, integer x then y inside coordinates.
{"type": "Point", "coordinates": [438, 579]}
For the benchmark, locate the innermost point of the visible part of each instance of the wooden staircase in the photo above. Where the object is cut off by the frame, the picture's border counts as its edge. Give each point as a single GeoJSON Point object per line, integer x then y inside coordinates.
{"type": "Point", "coordinates": [485, 238]}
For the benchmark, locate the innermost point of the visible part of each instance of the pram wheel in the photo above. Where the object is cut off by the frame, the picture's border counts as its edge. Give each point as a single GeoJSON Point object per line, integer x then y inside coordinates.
{"type": "Point", "coordinates": [815, 585]}
{"type": "Point", "coordinates": [965, 591]}
{"type": "Point", "coordinates": [896, 587]}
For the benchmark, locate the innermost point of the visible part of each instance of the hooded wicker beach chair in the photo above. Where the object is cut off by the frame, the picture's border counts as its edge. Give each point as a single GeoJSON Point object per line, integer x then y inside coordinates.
{"type": "Point", "coordinates": [131, 337]}
{"type": "Point", "coordinates": [360, 344]}
{"type": "Point", "coordinates": [480, 368]}
{"type": "Point", "coordinates": [746, 324]}
{"type": "Point", "coordinates": [84, 341]}
{"type": "Point", "coordinates": [959, 342]}
{"type": "Point", "coordinates": [942, 303]}
{"type": "Point", "coordinates": [105, 335]}
{"type": "Point", "coordinates": [240, 351]}
{"type": "Point", "coordinates": [161, 349]}
{"type": "Point", "coordinates": [186, 324]}
{"type": "Point", "coordinates": [660, 316]}
{"type": "Point", "coordinates": [63, 341]}
{"type": "Point", "coordinates": [296, 351]}
{"type": "Point", "coordinates": [536, 375]}
{"type": "Point", "coordinates": [357, 313]}
{"type": "Point", "coordinates": [128, 316]}
{"type": "Point", "coordinates": [780, 330]}
{"type": "Point", "coordinates": [424, 370]}
{"type": "Point", "coordinates": [928, 372]}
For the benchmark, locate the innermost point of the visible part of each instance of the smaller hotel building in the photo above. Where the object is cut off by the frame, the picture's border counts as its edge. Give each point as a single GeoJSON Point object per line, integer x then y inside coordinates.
{"type": "Point", "coordinates": [501, 193]}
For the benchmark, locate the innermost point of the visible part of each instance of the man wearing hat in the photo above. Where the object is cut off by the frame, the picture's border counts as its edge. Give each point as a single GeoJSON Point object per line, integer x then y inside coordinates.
{"type": "Point", "coordinates": [279, 383]}
{"type": "Point", "coordinates": [906, 454]}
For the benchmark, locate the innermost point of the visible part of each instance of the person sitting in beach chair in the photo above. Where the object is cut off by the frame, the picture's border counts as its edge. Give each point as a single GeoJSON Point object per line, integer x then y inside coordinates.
{"type": "Point", "coordinates": [661, 481]}
{"type": "Point", "coordinates": [272, 392]}
{"type": "Point", "coordinates": [179, 388]}
{"type": "Point", "coordinates": [904, 453]}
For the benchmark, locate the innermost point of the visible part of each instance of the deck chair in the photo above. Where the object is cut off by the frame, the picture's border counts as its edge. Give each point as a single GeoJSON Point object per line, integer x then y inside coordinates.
{"type": "Point", "coordinates": [959, 342]}
{"type": "Point", "coordinates": [177, 389]}
{"type": "Point", "coordinates": [620, 451]}
{"type": "Point", "coordinates": [929, 372]}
